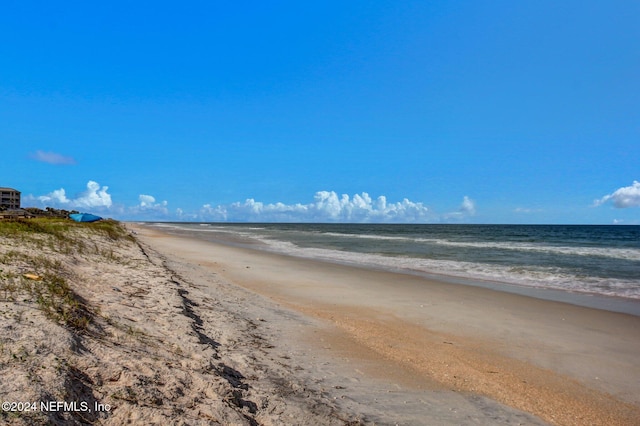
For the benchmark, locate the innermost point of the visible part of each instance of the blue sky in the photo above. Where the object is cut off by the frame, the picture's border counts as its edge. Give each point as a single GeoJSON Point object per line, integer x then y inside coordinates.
{"type": "Point", "coordinates": [412, 111]}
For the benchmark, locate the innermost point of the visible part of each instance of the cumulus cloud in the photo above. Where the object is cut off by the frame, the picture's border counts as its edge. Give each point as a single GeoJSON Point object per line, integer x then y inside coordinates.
{"type": "Point", "coordinates": [149, 208]}
{"type": "Point", "coordinates": [52, 158]}
{"type": "Point", "coordinates": [56, 197]}
{"type": "Point", "coordinates": [95, 196]}
{"type": "Point", "coordinates": [627, 196]}
{"type": "Point", "coordinates": [149, 202]}
{"type": "Point", "coordinates": [327, 206]}
{"type": "Point", "coordinates": [468, 206]}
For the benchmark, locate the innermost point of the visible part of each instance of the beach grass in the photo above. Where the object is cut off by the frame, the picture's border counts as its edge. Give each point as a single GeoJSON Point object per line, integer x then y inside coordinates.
{"type": "Point", "coordinates": [32, 272]}
{"type": "Point", "coordinates": [59, 228]}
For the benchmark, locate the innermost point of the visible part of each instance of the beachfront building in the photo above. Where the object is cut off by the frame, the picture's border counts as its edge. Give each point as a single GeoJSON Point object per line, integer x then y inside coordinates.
{"type": "Point", "coordinates": [9, 198]}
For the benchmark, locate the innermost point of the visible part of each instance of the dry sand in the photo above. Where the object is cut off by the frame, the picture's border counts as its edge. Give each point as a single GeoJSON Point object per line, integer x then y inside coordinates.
{"type": "Point", "coordinates": [189, 332]}
{"type": "Point", "coordinates": [563, 363]}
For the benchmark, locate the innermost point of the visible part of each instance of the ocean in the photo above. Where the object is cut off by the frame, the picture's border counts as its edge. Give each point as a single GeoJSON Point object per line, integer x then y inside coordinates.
{"type": "Point", "coordinates": [589, 259]}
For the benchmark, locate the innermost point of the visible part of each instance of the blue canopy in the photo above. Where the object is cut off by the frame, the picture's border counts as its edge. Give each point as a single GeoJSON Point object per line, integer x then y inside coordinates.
{"type": "Point", "coordinates": [84, 217]}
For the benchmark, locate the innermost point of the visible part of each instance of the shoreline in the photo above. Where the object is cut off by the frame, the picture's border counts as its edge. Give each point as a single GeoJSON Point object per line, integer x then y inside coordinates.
{"type": "Point", "coordinates": [567, 364]}
{"type": "Point", "coordinates": [593, 300]}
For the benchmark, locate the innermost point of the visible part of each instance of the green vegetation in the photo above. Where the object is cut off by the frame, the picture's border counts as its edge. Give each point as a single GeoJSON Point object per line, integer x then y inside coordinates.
{"type": "Point", "coordinates": [60, 235]}
{"type": "Point", "coordinates": [59, 228]}
{"type": "Point", "coordinates": [46, 226]}
{"type": "Point", "coordinates": [51, 293]}
{"type": "Point", "coordinates": [59, 302]}
{"type": "Point", "coordinates": [49, 286]}
{"type": "Point", "coordinates": [110, 228]}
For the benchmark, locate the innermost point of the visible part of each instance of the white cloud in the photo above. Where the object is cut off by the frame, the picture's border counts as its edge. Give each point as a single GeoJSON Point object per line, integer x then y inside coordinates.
{"type": "Point", "coordinates": [466, 209]}
{"type": "Point", "coordinates": [52, 158]}
{"type": "Point", "coordinates": [468, 206]}
{"type": "Point", "coordinates": [148, 202]}
{"type": "Point", "coordinates": [56, 197]}
{"type": "Point", "coordinates": [327, 206]}
{"type": "Point", "coordinates": [148, 208]}
{"type": "Point", "coordinates": [627, 196]}
{"type": "Point", "coordinates": [97, 199]}
{"type": "Point", "coordinates": [95, 196]}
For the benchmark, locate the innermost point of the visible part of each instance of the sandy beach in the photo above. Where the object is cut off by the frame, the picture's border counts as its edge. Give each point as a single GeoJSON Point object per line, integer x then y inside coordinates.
{"type": "Point", "coordinates": [162, 329]}
{"type": "Point", "coordinates": [564, 364]}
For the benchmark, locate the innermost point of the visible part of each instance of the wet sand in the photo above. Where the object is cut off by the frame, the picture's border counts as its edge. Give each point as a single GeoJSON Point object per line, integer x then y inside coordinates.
{"type": "Point", "coordinates": [565, 364]}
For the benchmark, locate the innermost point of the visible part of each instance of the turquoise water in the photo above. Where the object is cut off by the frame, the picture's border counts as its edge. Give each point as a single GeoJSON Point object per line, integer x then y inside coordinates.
{"type": "Point", "coordinates": [590, 259]}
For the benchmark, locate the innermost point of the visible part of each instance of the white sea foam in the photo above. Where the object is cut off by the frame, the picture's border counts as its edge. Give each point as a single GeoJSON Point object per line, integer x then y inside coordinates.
{"type": "Point", "coordinates": [540, 277]}
{"type": "Point", "coordinates": [539, 268]}
{"type": "Point", "coordinates": [611, 252]}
